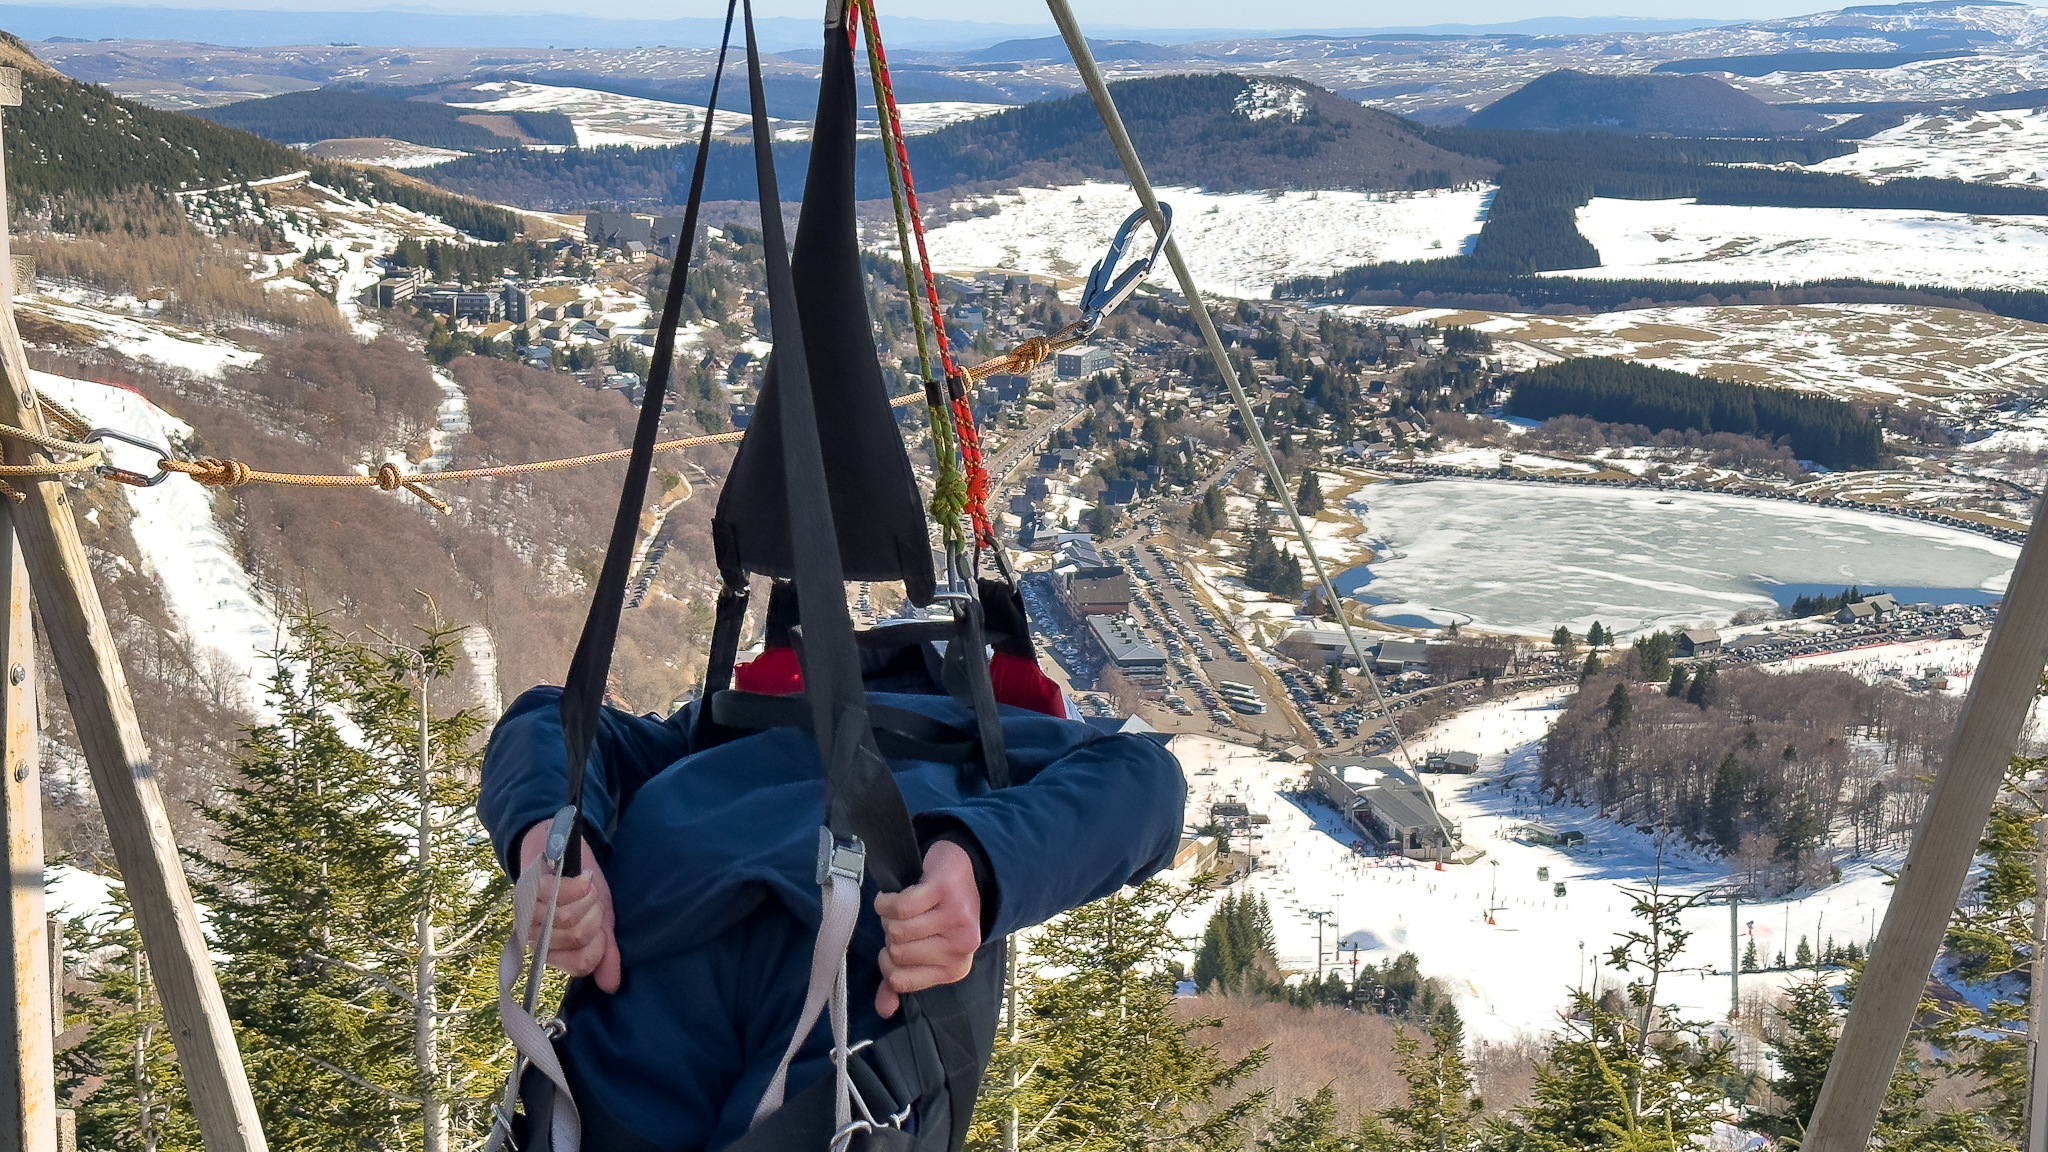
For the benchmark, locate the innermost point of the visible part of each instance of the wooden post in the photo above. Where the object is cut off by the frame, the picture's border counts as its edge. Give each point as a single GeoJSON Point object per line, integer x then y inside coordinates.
{"type": "Point", "coordinates": [1888, 996]}
{"type": "Point", "coordinates": [123, 778]}
{"type": "Point", "coordinates": [28, 1102]}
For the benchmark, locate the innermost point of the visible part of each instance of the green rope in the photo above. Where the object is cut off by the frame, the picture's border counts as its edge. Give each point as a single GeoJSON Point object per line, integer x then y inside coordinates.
{"type": "Point", "coordinates": [949, 487]}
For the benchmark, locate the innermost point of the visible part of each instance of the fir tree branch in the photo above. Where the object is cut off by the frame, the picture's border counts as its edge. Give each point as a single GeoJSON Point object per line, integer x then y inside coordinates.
{"type": "Point", "coordinates": [373, 976]}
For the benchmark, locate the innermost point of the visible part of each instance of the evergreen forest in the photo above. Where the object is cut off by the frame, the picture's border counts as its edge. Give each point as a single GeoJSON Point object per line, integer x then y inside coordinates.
{"type": "Point", "coordinates": [1819, 428]}
{"type": "Point", "coordinates": [326, 114]}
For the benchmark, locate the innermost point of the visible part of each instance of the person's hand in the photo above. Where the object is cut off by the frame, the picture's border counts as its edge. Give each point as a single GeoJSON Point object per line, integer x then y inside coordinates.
{"type": "Point", "coordinates": [933, 927]}
{"type": "Point", "coordinates": [583, 943]}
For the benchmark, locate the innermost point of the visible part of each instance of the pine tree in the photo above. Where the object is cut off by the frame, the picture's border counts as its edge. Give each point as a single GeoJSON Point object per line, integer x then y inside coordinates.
{"type": "Point", "coordinates": [1705, 687]}
{"type": "Point", "coordinates": [361, 968]}
{"type": "Point", "coordinates": [1598, 636]}
{"type": "Point", "coordinates": [1113, 1067]}
{"type": "Point", "coordinates": [1309, 500]}
{"type": "Point", "coordinates": [1591, 668]}
{"type": "Point", "coordinates": [1749, 958]}
{"type": "Point", "coordinates": [1310, 1127]}
{"type": "Point", "coordinates": [1802, 956]}
{"type": "Point", "coordinates": [122, 1079]}
{"type": "Point", "coordinates": [1988, 1042]}
{"type": "Point", "coordinates": [1600, 1089]}
{"type": "Point", "coordinates": [1563, 642]}
{"type": "Point", "coordinates": [1724, 806]}
{"type": "Point", "coordinates": [1679, 679]}
{"type": "Point", "coordinates": [1442, 1106]}
{"type": "Point", "coordinates": [1802, 1038]}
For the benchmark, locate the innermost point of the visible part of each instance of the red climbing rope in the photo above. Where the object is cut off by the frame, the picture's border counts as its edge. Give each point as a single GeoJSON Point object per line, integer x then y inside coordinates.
{"type": "Point", "coordinates": [956, 381]}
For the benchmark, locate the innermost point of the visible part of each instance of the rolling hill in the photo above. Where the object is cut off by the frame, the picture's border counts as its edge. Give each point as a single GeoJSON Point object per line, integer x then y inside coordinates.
{"type": "Point", "coordinates": [1220, 132]}
{"type": "Point", "coordinates": [326, 114]}
{"type": "Point", "coordinates": [1677, 105]}
{"type": "Point", "coordinates": [78, 145]}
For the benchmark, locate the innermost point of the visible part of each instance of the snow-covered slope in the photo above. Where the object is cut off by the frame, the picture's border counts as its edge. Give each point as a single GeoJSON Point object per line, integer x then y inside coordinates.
{"type": "Point", "coordinates": [183, 549]}
{"type": "Point", "coordinates": [1239, 244]}
{"type": "Point", "coordinates": [1992, 147]}
{"type": "Point", "coordinates": [1513, 976]}
{"type": "Point", "coordinates": [1686, 240]}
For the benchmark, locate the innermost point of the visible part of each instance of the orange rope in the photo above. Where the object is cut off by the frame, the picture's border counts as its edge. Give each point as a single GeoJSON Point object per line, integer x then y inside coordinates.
{"type": "Point", "coordinates": [963, 416]}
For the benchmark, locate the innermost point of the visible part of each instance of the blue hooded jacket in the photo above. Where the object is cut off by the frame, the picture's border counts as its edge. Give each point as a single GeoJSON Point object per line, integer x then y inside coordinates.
{"type": "Point", "coordinates": [710, 857]}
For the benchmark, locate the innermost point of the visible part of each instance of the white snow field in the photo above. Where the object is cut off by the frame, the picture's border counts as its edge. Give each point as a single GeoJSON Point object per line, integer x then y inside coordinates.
{"type": "Point", "coordinates": [606, 117]}
{"type": "Point", "coordinates": [1990, 147]}
{"type": "Point", "coordinates": [1238, 244]}
{"type": "Point", "coordinates": [609, 118]}
{"type": "Point", "coordinates": [1889, 353]}
{"type": "Point", "coordinates": [1686, 240]}
{"type": "Point", "coordinates": [183, 549]}
{"type": "Point", "coordinates": [1514, 976]}
{"type": "Point", "coordinates": [383, 152]}
{"type": "Point", "coordinates": [1524, 558]}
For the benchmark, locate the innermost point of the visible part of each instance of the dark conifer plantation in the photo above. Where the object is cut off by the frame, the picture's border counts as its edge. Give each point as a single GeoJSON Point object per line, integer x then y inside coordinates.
{"type": "Point", "coordinates": [1616, 391]}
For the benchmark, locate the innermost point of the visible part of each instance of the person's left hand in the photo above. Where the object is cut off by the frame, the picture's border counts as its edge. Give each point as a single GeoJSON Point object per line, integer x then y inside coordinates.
{"type": "Point", "coordinates": [933, 927]}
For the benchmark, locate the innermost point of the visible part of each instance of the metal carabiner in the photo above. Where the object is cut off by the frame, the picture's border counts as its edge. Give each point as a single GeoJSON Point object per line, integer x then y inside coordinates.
{"type": "Point", "coordinates": [124, 475]}
{"type": "Point", "coordinates": [1102, 294]}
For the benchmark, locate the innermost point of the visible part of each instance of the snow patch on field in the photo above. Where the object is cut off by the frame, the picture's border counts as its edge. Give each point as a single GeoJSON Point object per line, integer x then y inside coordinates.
{"type": "Point", "coordinates": [384, 152]}
{"type": "Point", "coordinates": [194, 567]}
{"type": "Point", "coordinates": [602, 118]}
{"type": "Point", "coordinates": [1883, 352]}
{"type": "Point", "coordinates": [140, 334]}
{"type": "Point", "coordinates": [1988, 147]}
{"type": "Point", "coordinates": [1239, 244]}
{"type": "Point", "coordinates": [1687, 240]}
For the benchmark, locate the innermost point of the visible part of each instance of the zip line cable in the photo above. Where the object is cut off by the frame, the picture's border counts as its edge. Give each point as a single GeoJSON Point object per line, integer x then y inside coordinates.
{"type": "Point", "coordinates": [1105, 105]}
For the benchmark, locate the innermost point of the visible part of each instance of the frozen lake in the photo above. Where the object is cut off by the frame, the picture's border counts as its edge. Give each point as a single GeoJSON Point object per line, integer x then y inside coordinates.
{"type": "Point", "coordinates": [1525, 557]}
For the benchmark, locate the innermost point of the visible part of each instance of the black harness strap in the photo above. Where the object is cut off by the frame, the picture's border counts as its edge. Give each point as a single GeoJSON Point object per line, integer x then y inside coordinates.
{"type": "Point", "coordinates": [725, 648]}
{"type": "Point", "coordinates": [583, 689]}
{"type": "Point", "coordinates": [861, 799]}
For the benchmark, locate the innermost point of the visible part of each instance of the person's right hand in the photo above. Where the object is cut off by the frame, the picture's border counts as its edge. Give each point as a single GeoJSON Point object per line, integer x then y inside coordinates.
{"type": "Point", "coordinates": [584, 943]}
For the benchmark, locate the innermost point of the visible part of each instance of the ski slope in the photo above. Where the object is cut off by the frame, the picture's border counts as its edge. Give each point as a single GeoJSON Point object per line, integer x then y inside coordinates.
{"type": "Point", "coordinates": [183, 549]}
{"type": "Point", "coordinates": [1686, 240]}
{"type": "Point", "coordinates": [1239, 244]}
{"type": "Point", "coordinates": [1511, 977]}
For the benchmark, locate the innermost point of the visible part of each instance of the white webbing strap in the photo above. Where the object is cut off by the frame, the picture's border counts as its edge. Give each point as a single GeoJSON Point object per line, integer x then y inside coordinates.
{"type": "Point", "coordinates": [840, 869]}
{"type": "Point", "coordinates": [528, 1036]}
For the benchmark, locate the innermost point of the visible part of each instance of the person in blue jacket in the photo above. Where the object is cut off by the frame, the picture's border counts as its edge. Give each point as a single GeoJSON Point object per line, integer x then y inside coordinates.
{"type": "Point", "coordinates": [696, 913]}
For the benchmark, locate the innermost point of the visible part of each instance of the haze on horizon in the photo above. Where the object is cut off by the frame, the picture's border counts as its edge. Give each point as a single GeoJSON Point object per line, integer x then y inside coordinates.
{"type": "Point", "coordinates": [1276, 16]}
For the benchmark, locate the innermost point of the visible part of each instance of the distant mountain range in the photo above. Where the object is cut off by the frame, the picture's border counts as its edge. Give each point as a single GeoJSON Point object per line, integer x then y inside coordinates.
{"type": "Point", "coordinates": [455, 28]}
{"type": "Point", "coordinates": [1679, 105]}
{"type": "Point", "coordinates": [1221, 132]}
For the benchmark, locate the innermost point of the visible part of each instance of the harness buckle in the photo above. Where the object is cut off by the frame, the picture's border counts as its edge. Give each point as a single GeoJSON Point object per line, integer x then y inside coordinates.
{"type": "Point", "coordinates": [559, 827]}
{"type": "Point", "coordinates": [841, 859]}
{"type": "Point", "coordinates": [1103, 294]}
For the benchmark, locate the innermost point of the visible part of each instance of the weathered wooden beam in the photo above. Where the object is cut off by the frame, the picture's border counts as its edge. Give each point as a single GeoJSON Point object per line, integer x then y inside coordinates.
{"type": "Point", "coordinates": [1888, 995]}
{"type": "Point", "coordinates": [28, 1091]}
{"type": "Point", "coordinates": [89, 665]}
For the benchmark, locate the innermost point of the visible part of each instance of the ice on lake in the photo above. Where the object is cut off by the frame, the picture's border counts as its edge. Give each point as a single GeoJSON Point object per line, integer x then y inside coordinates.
{"type": "Point", "coordinates": [1525, 558]}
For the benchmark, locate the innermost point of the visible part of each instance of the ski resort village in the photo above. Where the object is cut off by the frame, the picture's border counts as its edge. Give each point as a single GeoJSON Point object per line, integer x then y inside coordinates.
{"type": "Point", "coordinates": [1448, 589]}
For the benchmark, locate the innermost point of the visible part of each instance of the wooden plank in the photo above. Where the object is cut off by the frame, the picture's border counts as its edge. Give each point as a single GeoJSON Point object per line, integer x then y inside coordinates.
{"type": "Point", "coordinates": [1888, 996]}
{"type": "Point", "coordinates": [28, 1092]}
{"type": "Point", "coordinates": [123, 778]}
